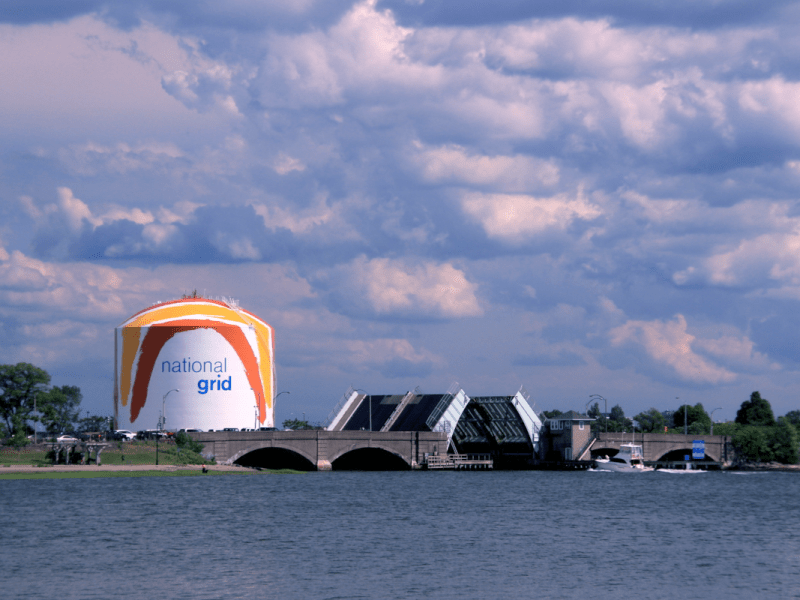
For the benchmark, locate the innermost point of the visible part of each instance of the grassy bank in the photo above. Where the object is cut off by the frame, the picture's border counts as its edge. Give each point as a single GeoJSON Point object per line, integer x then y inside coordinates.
{"type": "Point", "coordinates": [49, 474]}
{"type": "Point", "coordinates": [116, 453]}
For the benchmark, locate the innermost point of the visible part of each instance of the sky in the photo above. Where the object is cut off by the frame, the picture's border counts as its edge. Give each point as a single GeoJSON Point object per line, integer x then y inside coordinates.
{"type": "Point", "coordinates": [575, 197]}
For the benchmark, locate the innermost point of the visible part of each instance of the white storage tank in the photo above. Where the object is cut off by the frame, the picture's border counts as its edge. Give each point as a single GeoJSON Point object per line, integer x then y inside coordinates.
{"type": "Point", "coordinates": [199, 363]}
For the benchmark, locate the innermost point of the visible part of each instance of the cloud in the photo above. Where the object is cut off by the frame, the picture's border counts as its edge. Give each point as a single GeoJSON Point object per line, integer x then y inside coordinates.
{"type": "Point", "coordinates": [669, 344]}
{"type": "Point", "coordinates": [517, 218]}
{"type": "Point", "coordinates": [405, 288]}
{"type": "Point", "coordinates": [84, 290]}
{"type": "Point", "coordinates": [454, 165]}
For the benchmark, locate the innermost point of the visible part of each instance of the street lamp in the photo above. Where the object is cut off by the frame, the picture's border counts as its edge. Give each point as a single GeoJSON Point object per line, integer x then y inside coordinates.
{"type": "Point", "coordinates": [605, 405]}
{"type": "Point", "coordinates": [275, 401]}
{"type": "Point", "coordinates": [712, 420]}
{"type": "Point", "coordinates": [162, 418]}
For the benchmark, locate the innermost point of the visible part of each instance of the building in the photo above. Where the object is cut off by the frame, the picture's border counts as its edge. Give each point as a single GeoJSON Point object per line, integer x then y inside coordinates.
{"type": "Point", "coordinates": [194, 363]}
{"type": "Point", "coordinates": [566, 436]}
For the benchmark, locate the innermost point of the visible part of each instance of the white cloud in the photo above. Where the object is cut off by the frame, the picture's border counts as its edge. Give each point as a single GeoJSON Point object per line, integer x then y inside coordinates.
{"type": "Point", "coordinates": [381, 351]}
{"type": "Point", "coordinates": [74, 210]}
{"type": "Point", "coordinates": [456, 165]}
{"type": "Point", "coordinates": [517, 218]}
{"type": "Point", "coordinates": [414, 288]}
{"type": "Point", "coordinates": [669, 344]}
{"type": "Point", "coordinates": [92, 158]}
{"type": "Point", "coordinates": [85, 290]}
{"type": "Point", "coordinates": [286, 164]}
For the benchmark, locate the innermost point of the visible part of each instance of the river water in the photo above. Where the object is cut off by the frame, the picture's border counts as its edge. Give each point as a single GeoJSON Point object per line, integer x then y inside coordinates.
{"type": "Point", "coordinates": [400, 535]}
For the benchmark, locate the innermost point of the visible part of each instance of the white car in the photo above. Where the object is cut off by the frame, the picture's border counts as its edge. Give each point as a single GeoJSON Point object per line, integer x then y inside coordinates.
{"type": "Point", "coordinates": [124, 435]}
{"type": "Point", "coordinates": [66, 439]}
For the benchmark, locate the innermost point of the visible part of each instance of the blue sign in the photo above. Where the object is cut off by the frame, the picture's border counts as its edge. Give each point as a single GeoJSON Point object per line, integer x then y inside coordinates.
{"type": "Point", "coordinates": [698, 449]}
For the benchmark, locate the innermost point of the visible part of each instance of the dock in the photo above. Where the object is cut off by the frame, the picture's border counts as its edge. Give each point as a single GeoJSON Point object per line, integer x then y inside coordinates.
{"type": "Point", "coordinates": [460, 462]}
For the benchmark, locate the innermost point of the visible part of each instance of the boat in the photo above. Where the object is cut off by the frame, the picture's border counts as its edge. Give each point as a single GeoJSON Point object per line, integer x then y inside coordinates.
{"type": "Point", "coordinates": [629, 459]}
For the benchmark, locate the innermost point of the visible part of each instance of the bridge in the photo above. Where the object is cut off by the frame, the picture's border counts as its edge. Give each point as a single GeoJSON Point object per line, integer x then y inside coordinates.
{"type": "Point", "coordinates": [661, 447]}
{"type": "Point", "coordinates": [322, 450]}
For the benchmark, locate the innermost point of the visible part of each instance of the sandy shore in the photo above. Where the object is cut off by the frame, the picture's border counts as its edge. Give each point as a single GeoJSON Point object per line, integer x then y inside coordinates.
{"type": "Point", "coordinates": [119, 468]}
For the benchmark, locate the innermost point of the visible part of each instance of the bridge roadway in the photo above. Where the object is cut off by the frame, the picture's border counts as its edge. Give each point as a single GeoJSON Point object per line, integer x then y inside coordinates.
{"type": "Point", "coordinates": [656, 446]}
{"type": "Point", "coordinates": [322, 448]}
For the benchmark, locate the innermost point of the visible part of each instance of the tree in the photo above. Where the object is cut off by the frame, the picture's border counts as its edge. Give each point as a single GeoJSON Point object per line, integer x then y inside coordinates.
{"type": "Point", "coordinates": [783, 442]}
{"type": "Point", "coordinates": [756, 411]}
{"type": "Point", "coordinates": [695, 417]}
{"type": "Point", "coordinates": [617, 421]}
{"type": "Point", "coordinates": [94, 423]}
{"type": "Point", "coordinates": [20, 386]}
{"type": "Point", "coordinates": [750, 443]}
{"type": "Point", "coordinates": [793, 416]}
{"type": "Point", "coordinates": [552, 414]}
{"type": "Point", "coordinates": [651, 421]}
{"type": "Point", "coordinates": [60, 408]}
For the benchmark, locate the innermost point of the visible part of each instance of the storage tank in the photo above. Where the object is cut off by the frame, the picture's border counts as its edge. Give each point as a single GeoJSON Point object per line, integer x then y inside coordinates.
{"type": "Point", "coordinates": [199, 363]}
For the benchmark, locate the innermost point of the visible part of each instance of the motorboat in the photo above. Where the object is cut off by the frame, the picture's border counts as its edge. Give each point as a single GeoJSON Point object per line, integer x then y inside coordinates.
{"type": "Point", "coordinates": [629, 459]}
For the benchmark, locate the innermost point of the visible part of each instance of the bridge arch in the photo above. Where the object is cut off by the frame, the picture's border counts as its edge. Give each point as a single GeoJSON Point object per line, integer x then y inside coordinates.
{"type": "Point", "coordinates": [274, 456]}
{"type": "Point", "coordinates": [373, 458]}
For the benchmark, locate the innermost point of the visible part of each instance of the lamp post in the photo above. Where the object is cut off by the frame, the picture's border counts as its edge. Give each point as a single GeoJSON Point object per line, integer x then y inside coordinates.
{"type": "Point", "coordinates": [258, 400]}
{"type": "Point", "coordinates": [605, 405]}
{"type": "Point", "coordinates": [712, 420]}
{"type": "Point", "coordinates": [275, 399]}
{"type": "Point", "coordinates": [162, 418]}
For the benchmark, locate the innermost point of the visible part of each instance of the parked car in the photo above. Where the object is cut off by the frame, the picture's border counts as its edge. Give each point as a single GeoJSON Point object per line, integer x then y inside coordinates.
{"type": "Point", "coordinates": [65, 438]}
{"type": "Point", "coordinates": [124, 435]}
{"type": "Point", "coordinates": [231, 429]}
{"type": "Point", "coordinates": [268, 429]}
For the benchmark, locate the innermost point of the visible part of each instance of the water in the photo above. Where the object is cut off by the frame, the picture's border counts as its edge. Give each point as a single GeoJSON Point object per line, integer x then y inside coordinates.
{"type": "Point", "coordinates": [403, 535]}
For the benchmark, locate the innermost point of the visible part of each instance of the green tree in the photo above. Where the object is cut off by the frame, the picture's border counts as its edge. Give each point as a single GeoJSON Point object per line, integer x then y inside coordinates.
{"type": "Point", "coordinates": [750, 443]}
{"type": "Point", "coordinates": [651, 421]}
{"type": "Point", "coordinates": [617, 421]}
{"type": "Point", "coordinates": [783, 442]}
{"type": "Point", "coordinates": [756, 411]}
{"type": "Point", "coordinates": [695, 416]}
{"type": "Point", "coordinates": [60, 408]}
{"type": "Point", "coordinates": [552, 414]}
{"type": "Point", "coordinates": [793, 416]}
{"type": "Point", "coordinates": [20, 386]}
{"type": "Point", "coordinates": [95, 423]}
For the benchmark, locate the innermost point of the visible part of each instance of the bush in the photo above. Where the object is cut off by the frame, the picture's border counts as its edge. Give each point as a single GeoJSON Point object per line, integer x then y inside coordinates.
{"type": "Point", "coordinates": [185, 442]}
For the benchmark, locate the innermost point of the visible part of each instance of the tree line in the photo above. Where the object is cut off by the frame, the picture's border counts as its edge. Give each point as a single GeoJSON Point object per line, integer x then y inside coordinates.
{"type": "Point", "coordinates": [756, 434]}
{"type": "Point", "coordinates": [26, 398]}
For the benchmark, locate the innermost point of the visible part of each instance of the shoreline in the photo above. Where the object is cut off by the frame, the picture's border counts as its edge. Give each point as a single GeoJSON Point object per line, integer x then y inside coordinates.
{"type": "Point", "coordinates": [53, 469]}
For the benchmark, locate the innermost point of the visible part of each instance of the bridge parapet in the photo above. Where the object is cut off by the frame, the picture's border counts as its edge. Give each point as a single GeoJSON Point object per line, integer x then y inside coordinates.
{"type": "Point", "coordinates": [320, 447]}
{"type": "Point", "coordinates": [656, 445]}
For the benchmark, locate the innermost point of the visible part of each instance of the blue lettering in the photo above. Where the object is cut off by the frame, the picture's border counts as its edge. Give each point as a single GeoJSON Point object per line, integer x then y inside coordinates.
{"type": "Point", "coordinates": [221, 385]}
{"type": "Point", "coordinates": [165, 364]}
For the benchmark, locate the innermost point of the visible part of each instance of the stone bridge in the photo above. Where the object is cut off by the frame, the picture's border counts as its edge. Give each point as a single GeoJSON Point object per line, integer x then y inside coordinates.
{"type": "Point", "coordinates": [323, 450]}
{"type": "Point", "coordinates": [659, 446]}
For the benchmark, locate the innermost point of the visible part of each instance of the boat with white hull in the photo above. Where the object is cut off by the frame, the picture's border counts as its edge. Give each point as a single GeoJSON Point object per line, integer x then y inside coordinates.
{"type": "Point", "coordinates": [629, 459]}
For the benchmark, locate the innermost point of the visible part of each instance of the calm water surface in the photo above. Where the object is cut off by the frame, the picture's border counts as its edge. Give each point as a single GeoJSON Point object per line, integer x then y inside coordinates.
{"type": "Point", "coordinates": [403, 535]}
